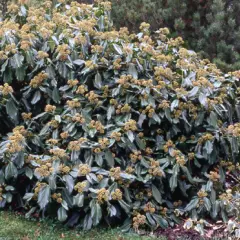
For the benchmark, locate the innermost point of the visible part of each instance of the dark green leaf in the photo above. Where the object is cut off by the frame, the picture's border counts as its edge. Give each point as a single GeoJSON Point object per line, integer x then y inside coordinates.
{"type": "Point", "coordinates": [44, 196]}
{"type": "Point", "coordinates": [62, 214]}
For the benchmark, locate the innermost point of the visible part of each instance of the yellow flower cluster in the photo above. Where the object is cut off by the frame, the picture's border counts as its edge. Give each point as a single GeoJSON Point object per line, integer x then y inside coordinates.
{"type": "Point", "coordinates": [73, 103]}
{"type": "Point", "coordinates": [127, 50]}
{"type": "Point", "coordinates": [45, 170]}
{"type": "Point", "coordinates": [235, 74]}
{"type": "Point", "coordinates": [63, 51]}
{"type": "Point", "coordinates": [163, 32]}
{"type": "Point", "coordinates": [201, 193]}
{"type": "Point", "coordinates": [138, 221]}
{"type": "Point", "coordinates": [180, 92]}
{"type": "Point", "coordinates": [78, 118]}
{"type": "Point", "coordinates": [130, 125]}
{"type": "Point", "coordinates": [113, 101]}
{"type": "Point", "coordinates": [10, 48]}
{"type": "Point", "coordinates": [123, 31]}
{"type": "Point", "coordinates": [149, 110]}
{"type": "Point", "coordinates": [30, 158]}
{"type": "Point", "coordinates": [205, 137]}
{"type": "Point", "coordinates": [105, 4]}
{"type": "Point", "coordinates": [234, 130]}
{"type": "Point", "coordinates": [80, 186]}
{"type": "Point", "coordinates": [83, 169]}
{"type": "Point", "coordinates": [80, 39]}
{"type": "Point", "coordinates": [97, 150]}
{"type": "Point", "coordinates": [74, 146]}
{"type": "Point", "coordinates": [72, 83]}
{"type": "Point", "coordinates": [185, 64]}
{"type": "Point", "coordinates": [3, 56]}
{"type": "Point", "coordinates": [6, 89]}
{"type": "Point", "coordinates": [144, 27]}
{"type": "Point", "coordinates": [125, 80]}
{"type": "Point", "coordinates": [92, 97]}
{"type": "Point", "coordinates": [147, 45]}
{"type": "Point", "coordinates": [184, 53]}
{"type": "Point", "coordinates": [163, 58]}
{"type": "Point", "coordinates": [164, 104]}
{"type": "Point", "coordinates": [129, 170]}
{"type": "Point", "coordinates": [227, 197]}
{"type": "Point", "coordinates": [180, 159]}
{"type": "Point", "coordinates": [50, 108]}
{"type": "Point", "coordinates": [115, 173]}
{"type": "Point", "coordinates": [104, 142]}
{"type": "Point", "coordinates": [117, 64]}
{"type": "Point", "coordinates": [141, 135]}
{"type": "Point", "coordinates": [149, 208]}
{"type": "Point", "coordinates": [155, 169]}
{"type": "Point", "coordinates": [169, 144]}
{"type": "Point", "coordinates": [57, 197]}
{"type": "Point", "coordinates": [175, 42]}
{"type": "Point", "coordinates": [53, 124]}
{"type": "Point", "coordinates": [230, 166]}
{"type": "Point", "coordinates": [64, 169]}
{"type": "Point", "coordinates": [203, 82]}
{"type": "Point", "coordinates": [59, 153]}
{"type": "Point", "coordinates": [123, 109]}
{"type": "Point", "coordinates": [64, 135]}
{"type": "Point", "coordinates": [111, 35]}
{"type": "Point", "coordinates": [16, 140]}
{"type": "Point", "coordinates": [136, 155]}
{"type": "Point", "coordinates": [90, 64]}
{"type": "Point", "coordinates": [102, 195]}
{"type": "Point", "coordinates": [12, 8]}
{"type": "Point", "coordinates": [97, 125]}
{"type": "Point", "coordinates": [99, 177]}
{"type": "Point", "coordinates": [105, 91]}
{"type": "Point", "coordinates": [26, 116]}
{"type": "Point", "coordinates": [116, 136]}
{"type": "Point", "coordinates": [52, 141]}
{"type": "Point", "coordinates": [144, 83]}
{"type": "Point", "coordinates": [117, 194]}
{"type": "Point", "coordinates": [25, 45]}
{"type": "Point", "coordinates": [81, 89]}
{"type": "Point", "coordinates": [42, 55]}
{"type": "Point", "coordinates": [96, 49]}
{"type": "Point", "coordinates": [38, 80]}
{"type": "Point", "coordinates": [163, 72]}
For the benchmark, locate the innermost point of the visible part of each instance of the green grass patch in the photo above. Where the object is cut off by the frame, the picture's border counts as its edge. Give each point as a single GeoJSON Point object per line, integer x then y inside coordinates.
{"type": "Point", "coordinates": [15, 227]}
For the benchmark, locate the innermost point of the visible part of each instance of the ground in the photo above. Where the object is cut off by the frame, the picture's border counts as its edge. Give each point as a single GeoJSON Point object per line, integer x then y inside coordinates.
{"type": "Point", "coordinates": [15, 227]}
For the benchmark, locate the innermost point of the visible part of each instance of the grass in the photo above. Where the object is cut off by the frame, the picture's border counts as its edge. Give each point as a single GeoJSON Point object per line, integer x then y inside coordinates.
{"type": "Point", "coordinates": [14, 227]}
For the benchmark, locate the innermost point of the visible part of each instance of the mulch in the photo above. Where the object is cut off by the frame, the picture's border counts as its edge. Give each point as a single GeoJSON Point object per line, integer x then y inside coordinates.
{"type": "Point", "coordinates": [179, 233]}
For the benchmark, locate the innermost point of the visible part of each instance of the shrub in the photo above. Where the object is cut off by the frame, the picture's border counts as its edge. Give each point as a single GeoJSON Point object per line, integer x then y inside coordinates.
{"type": "Point", "coordinates": [100, 125]}
{"type": "Point", "coordinates": [210, 27]}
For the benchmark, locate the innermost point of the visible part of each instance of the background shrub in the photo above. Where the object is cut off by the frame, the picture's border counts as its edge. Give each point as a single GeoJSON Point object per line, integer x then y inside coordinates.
{"type": "Point", "coordinates": [209, 27]}
{"type": "Point", "coordinates": [99, 124]}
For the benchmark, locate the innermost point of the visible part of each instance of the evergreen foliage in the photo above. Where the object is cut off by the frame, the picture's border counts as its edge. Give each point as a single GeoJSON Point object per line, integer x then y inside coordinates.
{"type": "Point", "coordinates": [103, 125]}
